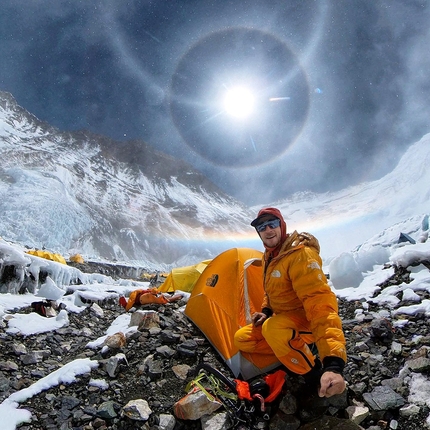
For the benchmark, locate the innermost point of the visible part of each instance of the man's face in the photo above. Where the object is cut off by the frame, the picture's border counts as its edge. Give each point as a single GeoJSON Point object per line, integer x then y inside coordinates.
{"type": "Point", "coordinates": [271, 236]}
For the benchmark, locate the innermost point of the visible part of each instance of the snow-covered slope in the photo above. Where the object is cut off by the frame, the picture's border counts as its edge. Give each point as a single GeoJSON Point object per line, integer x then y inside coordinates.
{"type": "Point", "coordinates": [79, 192]}
{"type": "Point", "coordinates": [344, 219]}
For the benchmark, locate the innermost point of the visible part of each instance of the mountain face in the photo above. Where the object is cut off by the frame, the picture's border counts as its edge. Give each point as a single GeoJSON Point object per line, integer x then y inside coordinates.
{"type": "Point", "coordinates": [81, 192]}
{"type": "Point", "coordinates": [343, 220]}
{"type": "Point", "coordinates": [84, 193]}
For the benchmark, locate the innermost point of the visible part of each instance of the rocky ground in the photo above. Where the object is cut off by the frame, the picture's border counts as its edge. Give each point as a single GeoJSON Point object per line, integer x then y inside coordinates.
{"type": "Point", "coordinates": [158, 363]}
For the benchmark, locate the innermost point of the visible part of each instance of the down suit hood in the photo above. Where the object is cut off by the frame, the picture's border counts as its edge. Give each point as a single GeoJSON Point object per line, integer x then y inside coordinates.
{"type": "Point", "coordinates": [276, 213]}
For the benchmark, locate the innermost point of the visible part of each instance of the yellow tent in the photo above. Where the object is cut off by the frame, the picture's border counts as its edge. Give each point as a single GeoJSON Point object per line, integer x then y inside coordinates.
{"type": "Point", "coordinates": [77, 258]}
{"type": "Point", "coordinates": [223, 299]}
{"type": "Point", "coordinates": [48, 255]}
{"type": "Point", "coordinates": [183, 278]}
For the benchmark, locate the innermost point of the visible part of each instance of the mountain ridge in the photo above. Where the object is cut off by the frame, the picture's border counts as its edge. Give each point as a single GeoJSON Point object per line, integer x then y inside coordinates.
{"type": "Point", "coordinates": [126, 201]}
{"type": "Point", "coordinates": [80, 191]}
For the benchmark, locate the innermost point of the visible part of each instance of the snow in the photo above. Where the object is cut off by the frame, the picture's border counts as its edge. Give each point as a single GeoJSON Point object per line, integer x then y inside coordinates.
{"type": "Point", "coordinates": [418, 252]}
{"type": "Point", "coordinates": [33, 323]}
{"type": "Point", "coordinates": [11, 416]}
{"type": "Point", "coordinates": [419, 390]}
{"type": "Point", "coordinates": [100, 383]}
{"type": "Point", "coordinates": [120, 324]}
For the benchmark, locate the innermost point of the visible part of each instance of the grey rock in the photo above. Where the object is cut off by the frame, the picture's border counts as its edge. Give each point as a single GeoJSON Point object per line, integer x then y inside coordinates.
{"type": "Point", "coordinates": [4, 384]}
{"type": "Point", "coordinates": [339, 401]}
{"type": "Point", "coordinates": [33, 357]}
{"type": "Point", "coordinates": [166, 422]}
{"type": "Point", "coordinates": [168, 336]}
{"type": "Point", "coordinates": [331, 423]}
{"type": "Point", "coordinates": [409, 410]}
{"type": "Point", "coordinates": [19, 348]}
{"type": "Point", "coordinates": [358, 388]}
{"type": "Point", "coordinates": [8, 366]}
{"type": "Point", "coordinates": [396, 348]}
{"type": "Point", "coordinates": [394, 383]}
{"type": "Point", "coordinates": [154, 368]}
{"type": "Point", "coordinates": [288, 404]}
{"type": "Point", "coordinates": [421, 364]}
{"type": "Point", "coordinates": [69, 402]}
{"type": "Point", "coordinates": [107, 410]}
{"type": "Point", "coordinates": [112, 365]}
{"type": "Point", "coordinates": [137, 410]}
{"type": "Point", "coordinates": [383, 398]}
{"type": "Point", "coordinates": [217, 421]}
{"type": "Point", "coordinates": [166, 351]}
{"type": "Point", "coordinates": [188, 348]}
{"type": "Point", "coordinates": [382, 329]}
{"type": "Point", "coordinates": [283, 421]}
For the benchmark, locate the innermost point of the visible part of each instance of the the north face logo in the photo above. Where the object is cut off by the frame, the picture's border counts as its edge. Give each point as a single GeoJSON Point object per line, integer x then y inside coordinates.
{"type": "Point", "coordinates": [211, 282]}
{"type": "Point", "coordinates": [275, 274]}
{"type": "Point", "coordinates": [314, 265]}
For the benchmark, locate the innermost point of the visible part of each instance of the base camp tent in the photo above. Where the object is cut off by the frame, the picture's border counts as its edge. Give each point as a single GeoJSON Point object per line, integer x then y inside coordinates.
{"type": "Point", "coordinates": [227, 293]}
{"type": "Point", "coordinates": [183, 278]}
{"type": "Point", "coordinates": [48, 255]}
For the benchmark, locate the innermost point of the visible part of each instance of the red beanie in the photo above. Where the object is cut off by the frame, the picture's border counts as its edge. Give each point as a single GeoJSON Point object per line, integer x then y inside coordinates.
{"type": "Point", "coordinates": [276, 213]}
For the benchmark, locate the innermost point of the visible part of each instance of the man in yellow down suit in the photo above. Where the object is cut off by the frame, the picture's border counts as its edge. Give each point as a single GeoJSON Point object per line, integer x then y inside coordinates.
{"type": "Point", "coordinates": [299, 309]}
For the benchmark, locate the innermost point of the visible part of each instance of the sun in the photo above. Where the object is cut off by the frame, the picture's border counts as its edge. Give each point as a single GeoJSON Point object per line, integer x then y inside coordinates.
{"type": "Point", "coordinates": [239, 102]}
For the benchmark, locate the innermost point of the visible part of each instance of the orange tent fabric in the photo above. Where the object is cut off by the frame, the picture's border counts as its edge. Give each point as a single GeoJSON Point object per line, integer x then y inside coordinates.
{"type": "Point", "coordinates": [223, 299]}
{"type": "Point", "coordinates": [142, 297]}
{"type": "Point", "coordinates": [145, 297]}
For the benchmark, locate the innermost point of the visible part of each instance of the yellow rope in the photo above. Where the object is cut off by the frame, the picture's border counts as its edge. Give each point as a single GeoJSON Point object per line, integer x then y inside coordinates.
{"type": "Point", "coordinates": [196, 383]}
{"type": "Point", "coordinates": [214, 387]}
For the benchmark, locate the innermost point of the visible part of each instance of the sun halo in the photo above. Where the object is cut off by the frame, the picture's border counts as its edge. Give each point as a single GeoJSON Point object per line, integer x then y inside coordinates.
{"type": "Point", "coordinates": [239, 102]}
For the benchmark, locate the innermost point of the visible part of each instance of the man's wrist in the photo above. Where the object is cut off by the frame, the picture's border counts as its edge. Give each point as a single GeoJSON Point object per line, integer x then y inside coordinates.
{"type": "Point", "coordinates": [267, 311]}
{"type": "Point", "coordinates": [333, 364]}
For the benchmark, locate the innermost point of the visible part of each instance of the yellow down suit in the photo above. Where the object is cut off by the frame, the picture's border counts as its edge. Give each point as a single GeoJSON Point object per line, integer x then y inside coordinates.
{"type": "Point", "coordinates": [303, 310]}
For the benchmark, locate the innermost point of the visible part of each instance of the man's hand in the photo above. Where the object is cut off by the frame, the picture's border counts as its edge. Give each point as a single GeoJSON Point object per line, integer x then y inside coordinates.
{"type": "Point", "coordinates": [258, 318]}
{"type": "Point", "coordinates": [331, 383]}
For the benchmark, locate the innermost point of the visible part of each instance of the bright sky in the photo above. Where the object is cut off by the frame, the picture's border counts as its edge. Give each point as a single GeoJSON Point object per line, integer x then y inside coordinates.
{"type": "Point", "coordinates": [239, 102]}
{"type": "Point", "coordinates": [353, 276]}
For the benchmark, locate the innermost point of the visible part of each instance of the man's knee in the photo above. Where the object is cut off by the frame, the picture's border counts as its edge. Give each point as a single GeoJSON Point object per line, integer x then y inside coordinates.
{"type": "Point", "coordinates": [241, 337]}
{"type": "Point", "coordinates": [237, 340]}
{"type": "Point", "coordinates": [272, 329]}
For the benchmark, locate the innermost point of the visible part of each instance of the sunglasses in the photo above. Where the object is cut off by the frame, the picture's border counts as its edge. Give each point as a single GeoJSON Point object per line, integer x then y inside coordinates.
{"type": "Point", "coordinates": [272, 223]}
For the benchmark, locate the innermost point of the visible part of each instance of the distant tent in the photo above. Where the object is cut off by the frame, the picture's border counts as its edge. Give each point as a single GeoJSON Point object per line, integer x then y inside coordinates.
{"type": "Point", "coordinates": [183, 278]}
{"type": "Point", "coordinates": [406, 238]}
{"type": "Point", "coordinates": [77, 258]}
{"type": "Point", "coordinates": [48, 255]}
{"type": "Point", "coordinates": [225, 296]}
